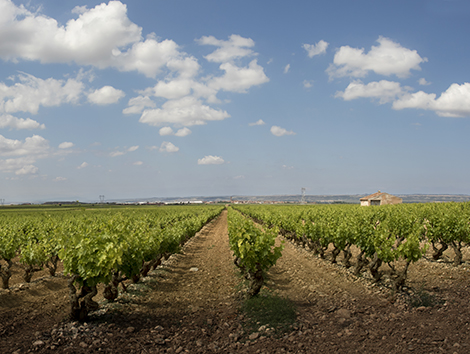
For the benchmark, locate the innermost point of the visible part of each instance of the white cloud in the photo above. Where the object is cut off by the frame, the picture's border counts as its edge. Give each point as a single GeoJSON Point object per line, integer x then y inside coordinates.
{"type": "Point", "coordinates": [316, 49]}
{"type": "Point", "coordinates": [388, 58]}
{"type": "Point", "coordinates": [97, 37]}
{"type": "Point", "coordinates": [173, 89]}
{"type": "Point", "coordinates": [24, 154]}
{"type": "Point", "coordinates": [20, 166]}
{"type": "Point", "coordinates": [138, 104]}
{"type": "Point", "coordinates": [286, 68]}
{"type": "Point", "coordinates": [116, 153]}
{"type": "Point", "coordinates": [138, 163]}
{"type": "Point", "coordinates": [235, 47]}
{"type": "Point", "coordinates": [27, 170]}
{"type": "Point", "coordinates": [60, 179]}
{"type": "Point", "coordinates": [423, 82]}
{"type": "Point", "coordinates": [105, 95]}
{"type": "Point", "coordinates": [133, 148]}
{"type": "Point", "coordinates": [286, 167]}
{"type": "Point", "coordinates": [239, 177]}
{"type": "Point", "coordinates": [83, 165]}
{"type": "Point", "coordinates": [147, 57]}
{"type": "Point", "coordinates": [35, 145]}
{"type": "Point", "coordinates": [237, 79]}
{"type": "Point", "coordinates": [210, 160]}
{"type": "Point", "coordinates": [308, 84]}
{"type": "Point", "coordinates": [186, 111]}
{"type": "Point", "coordinates": [166, 131]}
{"type": "Point", "coordinates": [278, 131]}
{"type": "Point", "coordinates": [185, 66]}
{"type": "Point", "coordinates": [183, 132]}
{"type": "Point", "coordinates": [180, 133]}
{"type": "Point", "coordinates": [383, 90]}
{"type": "Point", "coordinates": [454, 102]}
{"type": "Point", "coordinates": [31, 92]}
{"type": "Point", "coordinates": [168, 147]}
{"type": "Point", "coordinates": [8, 121]}
{"type": "Point", "coordinates": [258, 122]}
{"type": "Point", "coordinates": [65, 145]}
{"type": "Point", "coordinates": [190, 99]}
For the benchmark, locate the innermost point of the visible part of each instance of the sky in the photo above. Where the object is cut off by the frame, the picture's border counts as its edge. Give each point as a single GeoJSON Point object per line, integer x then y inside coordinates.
{"type": "Point", "coordinates": [159, 98]}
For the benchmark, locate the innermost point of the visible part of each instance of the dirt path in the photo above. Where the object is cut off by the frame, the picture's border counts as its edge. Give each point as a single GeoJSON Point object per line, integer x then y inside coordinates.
{"type": "Point", "coordinates": [190, 305]}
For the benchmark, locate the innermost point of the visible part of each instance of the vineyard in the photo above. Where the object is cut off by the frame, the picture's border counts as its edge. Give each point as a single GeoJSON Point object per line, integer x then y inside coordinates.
{"type": "Point", "coordinates": [166, 279]}
{"type": "Point", "coordinates": [385, 235]}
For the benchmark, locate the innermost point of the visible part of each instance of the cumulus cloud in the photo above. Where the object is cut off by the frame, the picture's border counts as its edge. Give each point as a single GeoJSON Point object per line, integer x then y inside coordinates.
{"type": "Point", "coordinates": [307, 84]}
{"type": "Point", "coordinates": [278, 131]}
{"type": "Point", "coordinates": [34, 145]}
{"type": "Point", "coordinates": [59, 179]}
{"type": "Point", "coordinates": [454, 102]}
{"type": "Point", "coordinates": [190, 98]}
{"type": "Point", "coordinates": [27, 170]}
{"type": "Point", "coordinates": [30, 92]}
{"type": "Point", "coordinates": [83, 165]}
{"type": "Point", "coordinates": [239, 79]}
{"type": "Point", "coordinates": [236, 78]}
{"type": "Point", "coordinates": [186, 111]}
{"type": "Point", "coordinates": [316, 49]}
{"type": "Point", "coordinates": [116, 153]}
{"type": "Point", "coordinates": [383, 90]}
{"type": "Point", "coordinates": [23, 154]}
{"type": "Point", "coordinates": [102, 37]}
{"type": "Point", "coordinates": [65, 145]}
{"type": "Point", "coordinates": [138, 163]}
{"type": "Point", "coordinates": [9, 121]}
{"type": "Point", "coordinates": [235, 47]}
{"type": "Point", "coordinates": [258, 122]}
{"type": "Point", "coordinates": [19, 166]}
{"type": "Point", "coordinates": [180, 132]}
{"type": "Point", "coordinates": [168, 147]}
{"type": "Point", "coordinates": [210, 160]}
{"type": "Point", "coordinates": [105, 95]}
{"type": "Point", "coordinates": [388, 58]}
{"type": "Point", "coordinates": [423, 82]}
{"type": "Point", "coordinates": [173, 89]}
{"type": "Point", "coordinates": [183, 132]}
{"type": "Point", "coordinates": [286, 68]}
{"type": "Point", "coordinates": [133, 148]}
{"type": "Point", "coordinates": [138, 104]}
{"type": "Point", "coordinates": [166, 131]}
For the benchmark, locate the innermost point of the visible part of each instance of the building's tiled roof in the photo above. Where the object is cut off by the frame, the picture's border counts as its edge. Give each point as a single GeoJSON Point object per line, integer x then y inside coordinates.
{"type": "Point", "coordinates": [373, 196]}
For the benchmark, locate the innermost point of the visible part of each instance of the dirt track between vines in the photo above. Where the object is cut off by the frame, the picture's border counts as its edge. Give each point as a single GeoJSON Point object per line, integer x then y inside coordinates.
{"type": "Point", "coordinates": [179, 308]}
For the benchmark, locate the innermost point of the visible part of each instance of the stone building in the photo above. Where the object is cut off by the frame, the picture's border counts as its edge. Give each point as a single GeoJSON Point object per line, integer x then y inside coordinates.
{"type": "Point", "coordinates": [380, 198]}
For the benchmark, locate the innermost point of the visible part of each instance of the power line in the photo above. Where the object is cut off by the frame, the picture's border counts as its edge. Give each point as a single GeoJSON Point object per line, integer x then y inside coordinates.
{"type": "Point", "coordinates": [302, 198]}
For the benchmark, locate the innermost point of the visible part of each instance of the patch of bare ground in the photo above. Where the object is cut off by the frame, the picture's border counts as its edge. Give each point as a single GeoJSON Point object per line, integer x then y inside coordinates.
{"type": "Point", "coordinates": [189, 304]}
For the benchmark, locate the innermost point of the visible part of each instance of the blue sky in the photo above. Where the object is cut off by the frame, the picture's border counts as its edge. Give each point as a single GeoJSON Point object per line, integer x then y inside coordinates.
{"type": "Point", "coordinates": [154, 98]}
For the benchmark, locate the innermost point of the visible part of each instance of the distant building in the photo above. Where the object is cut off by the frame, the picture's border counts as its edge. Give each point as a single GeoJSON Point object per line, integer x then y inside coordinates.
{"type": "Point", "coordinates": [380, 198]}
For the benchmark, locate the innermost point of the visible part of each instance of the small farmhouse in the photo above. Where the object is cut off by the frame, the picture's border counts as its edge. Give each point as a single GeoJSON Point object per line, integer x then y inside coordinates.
{"type": "Point", "coordinates": [380, 198]}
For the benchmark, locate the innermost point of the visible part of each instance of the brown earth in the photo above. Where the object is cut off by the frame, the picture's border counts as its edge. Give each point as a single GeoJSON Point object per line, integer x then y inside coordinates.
{"type": "Point", "coordinates": [190, 304]}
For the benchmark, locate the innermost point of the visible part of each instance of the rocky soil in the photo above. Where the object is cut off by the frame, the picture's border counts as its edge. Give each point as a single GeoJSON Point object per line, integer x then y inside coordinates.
{"type": "Point", "coordinates": [191, 305]}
